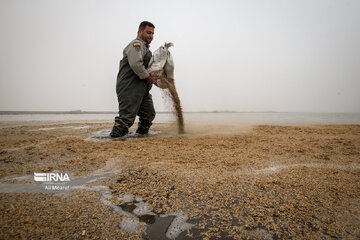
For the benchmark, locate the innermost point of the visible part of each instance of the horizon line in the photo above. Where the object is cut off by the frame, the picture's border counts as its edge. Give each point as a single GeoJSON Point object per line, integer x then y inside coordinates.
{"type": "Point", "coordinates": [12, 112]}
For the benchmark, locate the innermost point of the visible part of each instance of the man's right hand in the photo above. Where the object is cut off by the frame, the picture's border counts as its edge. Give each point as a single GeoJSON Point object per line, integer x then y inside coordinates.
{"type": "Point", "coordinates": [152, 79]}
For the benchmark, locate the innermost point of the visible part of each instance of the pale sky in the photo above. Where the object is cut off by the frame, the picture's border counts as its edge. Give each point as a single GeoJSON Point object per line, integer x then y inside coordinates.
{"type": "Point", "coordinates": [255, 55]}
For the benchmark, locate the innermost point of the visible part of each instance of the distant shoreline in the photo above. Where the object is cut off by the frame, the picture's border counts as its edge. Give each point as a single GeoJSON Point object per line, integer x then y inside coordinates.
{"type": "Point", "coordinates": [90, 112]}
{"type": "Point", "coordinates": [54, 112]}
{"type": "Point", "coordinates": [114, 112]}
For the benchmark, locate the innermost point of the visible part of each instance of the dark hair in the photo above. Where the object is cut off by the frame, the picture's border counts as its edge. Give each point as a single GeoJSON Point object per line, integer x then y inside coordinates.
{"type": "Point", "coordinates": [144, 24]}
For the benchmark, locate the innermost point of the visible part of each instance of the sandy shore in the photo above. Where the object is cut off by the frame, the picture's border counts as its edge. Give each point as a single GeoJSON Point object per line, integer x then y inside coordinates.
{"type": "Point", "coordinates": [218, 182]}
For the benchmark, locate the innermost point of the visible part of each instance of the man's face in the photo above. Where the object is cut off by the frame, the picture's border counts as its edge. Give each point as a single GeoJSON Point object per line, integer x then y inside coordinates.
{"type": "Point", "coordinates": [146, 34]}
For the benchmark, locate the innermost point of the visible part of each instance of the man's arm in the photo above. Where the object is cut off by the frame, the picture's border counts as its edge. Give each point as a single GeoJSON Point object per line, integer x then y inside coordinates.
{"type": "Point", "coordinates": [135, 55]}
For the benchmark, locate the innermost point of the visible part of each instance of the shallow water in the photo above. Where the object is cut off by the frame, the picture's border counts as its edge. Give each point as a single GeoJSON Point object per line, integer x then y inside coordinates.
{"type": "Point", "coordinates": [245, 118]}
{"type": "Point", "coordinates": [70, 127]}
{"type": "Point", "coordinates": [104, 136]}
{"type": "Point", "coordinates": [47, 187]}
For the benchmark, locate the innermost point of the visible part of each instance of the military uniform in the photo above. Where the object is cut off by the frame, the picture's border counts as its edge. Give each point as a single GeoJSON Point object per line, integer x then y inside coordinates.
{"type": "Point", "coordinates": [132, 90]}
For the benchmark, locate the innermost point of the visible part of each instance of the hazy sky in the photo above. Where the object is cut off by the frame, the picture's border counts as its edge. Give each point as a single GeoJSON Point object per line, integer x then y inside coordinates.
{"type": "Point", "coordinates": [256, 55]}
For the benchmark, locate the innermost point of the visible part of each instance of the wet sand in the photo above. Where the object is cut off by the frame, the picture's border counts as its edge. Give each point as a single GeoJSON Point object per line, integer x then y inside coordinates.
{"type": "Point", "coordinates": [222, 182]}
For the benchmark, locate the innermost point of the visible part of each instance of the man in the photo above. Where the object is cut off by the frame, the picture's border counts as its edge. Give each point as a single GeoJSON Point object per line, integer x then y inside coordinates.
{"type": "Point", "coordinates": [134, 83]}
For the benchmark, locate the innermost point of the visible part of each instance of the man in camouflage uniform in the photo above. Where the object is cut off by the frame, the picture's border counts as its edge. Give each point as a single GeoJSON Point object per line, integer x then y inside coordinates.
{"type": "Point", "coordinates": [134, 83]}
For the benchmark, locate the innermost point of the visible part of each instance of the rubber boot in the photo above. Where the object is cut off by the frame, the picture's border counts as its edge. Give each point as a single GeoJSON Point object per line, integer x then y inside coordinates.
{"type": "Point", "coordinates": [143, 127]}
{"type": "Point", "coordinates": [118, 130]}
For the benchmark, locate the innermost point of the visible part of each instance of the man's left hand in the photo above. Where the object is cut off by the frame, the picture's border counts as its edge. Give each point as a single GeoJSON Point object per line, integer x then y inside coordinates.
{"type": "Point", "coordinates": [152, 79]}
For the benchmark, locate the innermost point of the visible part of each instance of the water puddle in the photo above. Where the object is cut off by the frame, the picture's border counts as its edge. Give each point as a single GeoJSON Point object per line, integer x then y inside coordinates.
{"type": "Point", "coordinates": [159, 226]}
{"type": "Point", "coordinates": [104, 135]}
{"type": "Point", "coordinates": [278, 168]}
{"type": "Point", "coordinates": [71, 127]}
{"type": "Point", "coordinates": [18, 178]}
{"type": "Point", "coordinates": [28, 184]}
{"type": "Point", "coordinates": [46, 186]}
{"type": "Point", "coordinates": [135, 210]}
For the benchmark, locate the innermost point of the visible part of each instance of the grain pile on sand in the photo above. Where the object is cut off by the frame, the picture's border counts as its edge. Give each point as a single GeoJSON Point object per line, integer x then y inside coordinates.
{"type": "Point", "coordinates": [273, 182]}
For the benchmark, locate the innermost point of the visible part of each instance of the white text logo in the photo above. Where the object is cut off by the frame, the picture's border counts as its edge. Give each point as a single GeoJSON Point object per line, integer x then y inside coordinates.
{"type": "Point", "coordinates": [51, 177]}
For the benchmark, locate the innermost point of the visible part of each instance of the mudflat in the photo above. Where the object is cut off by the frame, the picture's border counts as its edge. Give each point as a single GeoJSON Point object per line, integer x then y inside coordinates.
{"type": "Point", "coordinates": [213, 182]}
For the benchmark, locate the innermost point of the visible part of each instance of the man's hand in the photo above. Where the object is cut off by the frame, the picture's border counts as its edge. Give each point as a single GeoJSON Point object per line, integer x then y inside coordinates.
{"type": "Point", "coordinates": [152, 79]}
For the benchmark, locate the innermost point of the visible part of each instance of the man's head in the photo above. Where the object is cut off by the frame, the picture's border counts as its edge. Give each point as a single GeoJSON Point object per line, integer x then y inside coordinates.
{"type": "Point", "coordinates": [146, 31]}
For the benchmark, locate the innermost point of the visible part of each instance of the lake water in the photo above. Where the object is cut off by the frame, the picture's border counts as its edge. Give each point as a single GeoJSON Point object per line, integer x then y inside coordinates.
{"type": "Point", "coordinates": [267, 118]}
